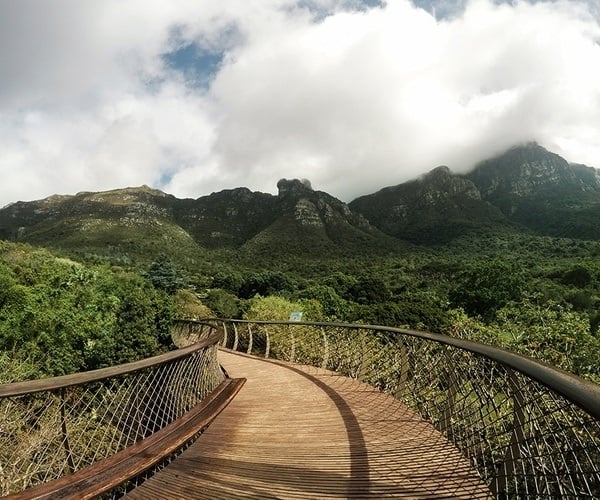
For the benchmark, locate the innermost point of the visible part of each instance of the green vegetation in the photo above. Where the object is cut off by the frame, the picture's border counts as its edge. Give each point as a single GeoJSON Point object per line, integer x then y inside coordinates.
{"type": "Point", "coordinates": [490, 260]}
{"type": "Point", "coordinates": [536, 295]}
{"type": "Point", "coordinates": [58, 316]}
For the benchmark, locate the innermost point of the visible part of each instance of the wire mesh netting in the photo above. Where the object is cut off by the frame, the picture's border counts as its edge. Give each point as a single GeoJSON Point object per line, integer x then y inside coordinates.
{"type": "Point", "coordinates": [525, 439]}
{"type": "Point", "coordinates": [50, 433]}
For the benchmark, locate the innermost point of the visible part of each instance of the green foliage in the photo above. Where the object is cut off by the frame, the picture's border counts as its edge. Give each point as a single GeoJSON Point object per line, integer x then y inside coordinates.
{"type": "Point", "coordinates": [578, 276]}
{"type": "Point", "coordinates": [189, 306]}
{"type": "Point", "coordinates": [65, 317]}
{"type": "Point", "coordinates": [273, 308]}
{"type": "Point", "coordinates": [164, 275]}
{"type": "Point", "coordinates": [487, 286]}
{"type": "Point", "coordinates": [552, 332]}
{"type": "Point", "coordinates": [419, 310]}
{"type": "Point", "coordinates": [334, 306]}
{"type": "Point", "coordinates": [264, 283]}
{"type": "Point", "coordinates": [370, 290]}
{"type": "Point", "coordinates": [230, 281]}
{"type": "Point", "coordinates": [17, 368]}
{"type": "Point", "coordinates": [223, 303]}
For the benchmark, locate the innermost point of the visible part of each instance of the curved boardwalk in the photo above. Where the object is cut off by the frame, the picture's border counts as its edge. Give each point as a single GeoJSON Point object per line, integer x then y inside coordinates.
{"type": "Point", "coordinates": [301, 432]}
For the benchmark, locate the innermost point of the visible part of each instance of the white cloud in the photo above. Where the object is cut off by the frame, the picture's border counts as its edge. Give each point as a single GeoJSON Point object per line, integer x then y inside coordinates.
{"type": "Point", "coordinates": [352, 99]}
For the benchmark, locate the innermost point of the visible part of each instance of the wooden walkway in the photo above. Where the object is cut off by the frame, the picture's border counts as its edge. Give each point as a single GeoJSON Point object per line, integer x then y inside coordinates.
{"type": "Point", "coordinates": [301, 432]}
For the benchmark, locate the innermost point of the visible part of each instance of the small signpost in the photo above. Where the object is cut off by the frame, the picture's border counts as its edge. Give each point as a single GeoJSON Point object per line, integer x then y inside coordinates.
{"type": "Point", "coordinates": [296, 316]}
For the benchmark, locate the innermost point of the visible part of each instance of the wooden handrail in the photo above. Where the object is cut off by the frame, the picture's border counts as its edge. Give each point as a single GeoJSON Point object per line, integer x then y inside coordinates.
{"type": "Point", "coordinates": [113, 471]}
{"type": "Point", "coordinates": [53, 383]}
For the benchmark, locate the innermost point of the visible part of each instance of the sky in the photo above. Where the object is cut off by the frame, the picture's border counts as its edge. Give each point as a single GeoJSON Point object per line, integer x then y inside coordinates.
{"type": "Point", "coordinates": [196, 96]}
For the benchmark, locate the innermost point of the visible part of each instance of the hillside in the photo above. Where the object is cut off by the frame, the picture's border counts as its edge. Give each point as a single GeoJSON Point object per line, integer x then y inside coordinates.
{"type": "Point", "coordinates": [436, 208]}
{"type": "Point", "coordinates": [542, 191]}
{"type": "Point", "coordinates": [525, 189]}
{"type": "Point", "coordinates": [130, 221]}
{"type": "Point", "coordinates": [487, 265]}
{"type": "Point", "coordinates": [144, 222]}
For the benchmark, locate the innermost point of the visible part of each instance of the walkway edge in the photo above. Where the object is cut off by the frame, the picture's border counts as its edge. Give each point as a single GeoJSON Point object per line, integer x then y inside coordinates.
{"type": "Point", "coordinates": [138, 458]}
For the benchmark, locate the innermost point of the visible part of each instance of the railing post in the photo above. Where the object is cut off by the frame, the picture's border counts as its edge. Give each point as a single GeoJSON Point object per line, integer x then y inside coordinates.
{"type": "Point", "coordinates": [362, 370]}
{"type": "Point", "coordinates": [249, 350]}
{"type": "Point", "coordinates": [65, 435]}
{"type": "Point", "coordinates": [267, 344]}
{"type": "Point", "coordinates": [508, 468]}
{"type": "Point", "coordinates": [224, 343]}
{"type": "Point", "coordinates": [448, 411]}
{"type": "Point", "coordinates": [293, 347]}
{"type": "Point", "coordinates": [235, 337]}
{"type": "Point", "coordinates": [325, 349]}
{"type": "Point", "coordinates": [403, 355]}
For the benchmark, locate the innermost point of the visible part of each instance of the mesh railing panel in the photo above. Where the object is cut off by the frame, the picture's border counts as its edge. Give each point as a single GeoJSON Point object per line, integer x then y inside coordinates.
{"type": "Point", "coordinates": [525, 439]}
{"type": "Point", "coordinates": [47, 434]}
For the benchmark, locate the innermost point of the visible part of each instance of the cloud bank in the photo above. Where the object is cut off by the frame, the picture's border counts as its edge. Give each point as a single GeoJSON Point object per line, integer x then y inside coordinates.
{"type": "Point", "coordinates": [351, 96]}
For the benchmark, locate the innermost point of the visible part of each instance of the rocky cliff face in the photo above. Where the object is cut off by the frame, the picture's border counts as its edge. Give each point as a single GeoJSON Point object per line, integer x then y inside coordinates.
{"type": "Point", "coordinates": [529, 172]}
{"type": "Point", "coordinates": [526, 185]}
{"type": "Point", "coordinates": [433, 209]}
{"type": "Point", "coordinates": [316, 208]}
{"type": "Point", "coordinates": [314, 222]}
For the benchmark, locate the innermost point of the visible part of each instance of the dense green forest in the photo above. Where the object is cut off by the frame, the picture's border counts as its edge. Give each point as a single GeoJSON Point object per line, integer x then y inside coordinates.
{"type": "Point", "coordinates": [63, 313]}
{"type": "Point", "coordinates": [531, 294]}
{"type": "Point", "coordinates": [59, 316]}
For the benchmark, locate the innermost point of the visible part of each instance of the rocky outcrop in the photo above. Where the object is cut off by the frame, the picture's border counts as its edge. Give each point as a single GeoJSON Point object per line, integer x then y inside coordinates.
{"type": "Point", "coordinates": [523, 171]}
{"type": "Point", "coordinates": [526, 185]}
{"type": "Point", "coordinates": [432, 209]}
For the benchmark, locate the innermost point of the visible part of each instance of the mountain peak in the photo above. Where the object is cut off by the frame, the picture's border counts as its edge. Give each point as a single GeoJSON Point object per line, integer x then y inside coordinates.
{"type": "Point", "coordinates": [294, 187]}
{"type": "Point", "coordinates": [522, 171]}
{"type": "Point", "coordinates": [441, 172]}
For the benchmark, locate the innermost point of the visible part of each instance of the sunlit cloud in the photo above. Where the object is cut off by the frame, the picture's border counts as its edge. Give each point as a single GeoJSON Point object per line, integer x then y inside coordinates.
{"type": "Point", "coordinates": [198, 96]}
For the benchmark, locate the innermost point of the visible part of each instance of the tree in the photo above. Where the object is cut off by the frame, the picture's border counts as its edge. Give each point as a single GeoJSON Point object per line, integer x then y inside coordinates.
{"type": "Point", "coordinates": [223, 303]}
{"type": "Point", "coordinates": [370, 290]}
{"type": "Point", "coordinates": [578, 276]}
{"type": "Point", "coordinates": [487, 286]}
{"type": "Point", "coordinates": [553, 332]}
{"type": "Point", "coordinates": [334, 307]}
{"type": "Point", "coordinates": [164, 275]}
{"type": "Point", "coordinates": [265, 283]}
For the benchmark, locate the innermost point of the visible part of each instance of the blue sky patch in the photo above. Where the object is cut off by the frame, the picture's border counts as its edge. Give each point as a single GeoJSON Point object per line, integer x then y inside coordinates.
{"type": "Point", "coordinates": [197, 65]}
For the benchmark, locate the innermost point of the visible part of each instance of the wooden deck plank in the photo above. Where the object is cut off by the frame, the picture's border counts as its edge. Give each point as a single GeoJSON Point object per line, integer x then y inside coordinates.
{"type": "Point", "coordinates": [301, 432]}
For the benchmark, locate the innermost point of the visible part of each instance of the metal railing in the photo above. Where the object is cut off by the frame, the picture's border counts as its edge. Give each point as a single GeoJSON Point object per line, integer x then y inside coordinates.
{"type": "Point", "coordinates": [53, 427]}
{"type": "Point", "coordinates": [530, 430]}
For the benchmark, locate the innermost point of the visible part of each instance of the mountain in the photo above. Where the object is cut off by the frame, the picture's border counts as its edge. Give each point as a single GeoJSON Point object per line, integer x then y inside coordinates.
{"type": "Point", "coordinates": [526, 187]}
{"type": "Point", "coordinates": [143, 221]}
{"type": "Point", "coordinates": [228, 218]}
{"type": "Point", "coordinates": [433, 209]}
{"type": "Point", "coordinates": [122, 221]}
{"type": "Point", "coordinates": [314, 222]}
{"type": "Point", "coordinates": [542, 191]}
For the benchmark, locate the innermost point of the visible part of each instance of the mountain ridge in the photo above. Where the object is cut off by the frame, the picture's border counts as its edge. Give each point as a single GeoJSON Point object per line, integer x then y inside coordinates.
{"type": "Point", "coordinates": [527, 188]}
